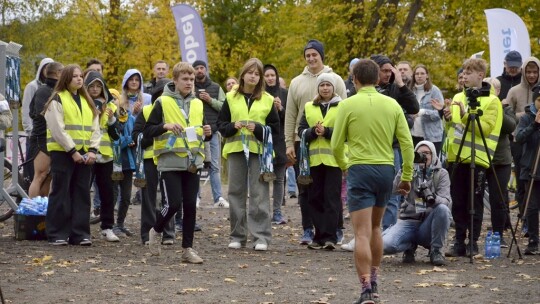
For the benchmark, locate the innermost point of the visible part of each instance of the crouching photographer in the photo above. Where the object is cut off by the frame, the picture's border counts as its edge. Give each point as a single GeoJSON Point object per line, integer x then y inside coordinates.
{"type": "Point", "coordinates": [424, 216]}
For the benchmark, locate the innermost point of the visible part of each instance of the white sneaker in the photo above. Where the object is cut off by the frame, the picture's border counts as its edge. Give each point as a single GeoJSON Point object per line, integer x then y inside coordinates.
{"type": "Point", "coordinates": [154, 242]}
{"type": "Point", "coordinates": [235, 245]}
{"type": "Point", "coordinates": [198, 204]}
{"type": "Point", "coordinates": [168, 242]}
{"type": "Point", "coordinates": [349, 246]}
{"type": "Point", "coordinates": [221, 203]}
{"type": "Point", "coordinates": [191, 256]}
{"type": "Point", "coordinates": [261, 247]}
{"type": "Point", "coordinates": [109, 235]}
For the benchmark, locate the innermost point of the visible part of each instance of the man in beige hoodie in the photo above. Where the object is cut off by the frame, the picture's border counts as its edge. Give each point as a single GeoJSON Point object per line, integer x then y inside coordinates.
{"type": "Point", "coordinates": [518, 97]}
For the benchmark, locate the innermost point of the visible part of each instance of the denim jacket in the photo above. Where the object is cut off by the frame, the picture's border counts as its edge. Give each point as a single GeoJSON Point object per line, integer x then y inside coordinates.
{"type": "Point", "coordinates": [431, 121]}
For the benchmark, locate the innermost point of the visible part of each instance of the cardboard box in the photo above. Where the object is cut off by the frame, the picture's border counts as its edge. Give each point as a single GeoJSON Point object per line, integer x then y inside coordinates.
{"type": "Point", "coordinates": [30, 227]}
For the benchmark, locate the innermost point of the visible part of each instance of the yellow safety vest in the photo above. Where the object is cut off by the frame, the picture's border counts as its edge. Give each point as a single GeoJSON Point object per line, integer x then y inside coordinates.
{"type": "Point", "coordinates": [78, 123]}
{"type": "Point", "coordinates": [457, 126]}
{"type": "Point", "coordinates": [149, 151]}
{"type": "Point", "coordinates": [105, 145]}
{"type": "Point", "coordinates": [320, 150]}
{"type": "Point", "coordinates": [173, 114]}
{"type": "Point", "coordinates": [239, 112]}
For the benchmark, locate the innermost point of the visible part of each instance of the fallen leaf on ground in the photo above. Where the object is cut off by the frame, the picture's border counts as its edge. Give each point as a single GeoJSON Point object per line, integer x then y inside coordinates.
{"type": "Point", "coordinates": [422, 285]}
{"type": "Point", "coordinates": [476, 286]}
{"type": "Point", "coordinates": [47, 273]}
{"type": "Point", "coordinates": [228, 280]}
{"type": "Point", "coordinates": [188, 290]}
{"type": "Point", "coordinates": [495, 289]}
{"type": "Point", "coordinates": [489, 277]}
{"type": "Point", "coordinates": [523, 275]}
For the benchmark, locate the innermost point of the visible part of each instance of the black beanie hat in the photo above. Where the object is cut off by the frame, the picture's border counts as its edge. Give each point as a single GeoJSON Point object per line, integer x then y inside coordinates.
{"type": "Point", "coordinates": [381, 60]}
{"type": "Point", "coordinates": [317, 46]}
{"type": "Point", "coordinates": [199, 62]}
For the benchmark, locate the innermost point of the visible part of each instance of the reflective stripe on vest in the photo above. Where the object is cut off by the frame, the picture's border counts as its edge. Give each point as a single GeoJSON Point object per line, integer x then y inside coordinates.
{"type": "Point", "coordinates": [149, 151]}
{"type": "Point", "coordinates": [258, 112]}
{"type": "Point", "coordinates": [105, 145]}
{"type": "Point", "coordinates": [320, 150]}
{"type": "Point", "coordinates": [454, 140]}
{"type": "Point", "coordinates": [78, 123]}
{"type": "Point", "coordinates": [173, 114]}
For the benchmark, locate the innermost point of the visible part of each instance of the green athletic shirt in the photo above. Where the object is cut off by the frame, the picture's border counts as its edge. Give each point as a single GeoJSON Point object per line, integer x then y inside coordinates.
{"type": "Point", "coordinates": [368, 122]}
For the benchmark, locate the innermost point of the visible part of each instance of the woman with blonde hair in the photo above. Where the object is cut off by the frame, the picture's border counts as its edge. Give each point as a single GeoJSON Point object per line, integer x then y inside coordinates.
{"type": "Point", "coordinates": [73, 139]}
{"type": "Point", "coordinates": [243, 121]}
{"type": "Point", "coordinates": [132, 100]}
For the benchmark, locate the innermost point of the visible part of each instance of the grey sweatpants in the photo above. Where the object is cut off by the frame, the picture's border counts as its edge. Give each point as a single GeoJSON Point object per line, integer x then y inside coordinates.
{"type": "Point", "coordinates": [258, 212]}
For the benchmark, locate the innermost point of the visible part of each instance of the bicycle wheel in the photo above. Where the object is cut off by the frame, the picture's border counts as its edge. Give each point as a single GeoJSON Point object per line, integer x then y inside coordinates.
{"type": "Point", "coordinates": [5, 209]}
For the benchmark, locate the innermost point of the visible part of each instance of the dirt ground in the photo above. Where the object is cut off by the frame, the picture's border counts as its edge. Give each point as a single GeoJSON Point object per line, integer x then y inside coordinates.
{"type": "Point", "coordinates": [35, 272]}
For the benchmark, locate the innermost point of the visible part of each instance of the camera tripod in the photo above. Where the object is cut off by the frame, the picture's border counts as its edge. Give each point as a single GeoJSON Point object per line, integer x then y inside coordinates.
{"type": "Point", "coordinates": [533, 177]}
{"type": "Point", "coordinates": [473, 121]}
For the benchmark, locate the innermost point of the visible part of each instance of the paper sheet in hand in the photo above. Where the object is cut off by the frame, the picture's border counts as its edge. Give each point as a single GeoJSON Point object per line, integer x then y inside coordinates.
{"type": "Point", "coordinates": [191, 134]}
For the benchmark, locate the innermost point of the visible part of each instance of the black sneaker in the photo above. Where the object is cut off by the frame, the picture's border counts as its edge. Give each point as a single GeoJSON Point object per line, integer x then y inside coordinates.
{"type": "Point", "coordinates": [366, 298]}
{"type": "Point", "coordinates": [532, 249]}
{"type": "Point", "coordinates": [408, 256]}
{"type": "Point", "coordinates": [457, 250]}
{"type": "Point", "coordinates": [504, 244]}
{"type": "Point", "coordinates": [315, 246]}
{"type": "Point", "coordinates": [329, 246]}
{"type": "Point", "coordinates": [436, 258]}
{"type": "Point", "coordinates": [197, 227]}
{"type": "Point", "coordinates": [474, 249]}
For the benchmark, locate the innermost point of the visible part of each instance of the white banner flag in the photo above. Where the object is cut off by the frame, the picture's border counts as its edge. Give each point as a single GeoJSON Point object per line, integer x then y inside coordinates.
{"type": "Point", "coordinates": [507, 32]}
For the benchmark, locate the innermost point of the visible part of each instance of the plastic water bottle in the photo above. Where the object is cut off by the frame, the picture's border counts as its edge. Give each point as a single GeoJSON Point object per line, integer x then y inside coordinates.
{"type": "Point", "coordinates": [496, 245]}
{"type": "Point", "coordinates": [488, 252]}
{"type": "Point", "coordinates": [170, 142]}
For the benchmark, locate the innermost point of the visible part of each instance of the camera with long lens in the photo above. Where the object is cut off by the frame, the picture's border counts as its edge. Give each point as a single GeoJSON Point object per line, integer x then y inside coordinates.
{"type": "Point", "coordinates": [420, 158]}
{"type": "Point", "coordinates": [425, 193]}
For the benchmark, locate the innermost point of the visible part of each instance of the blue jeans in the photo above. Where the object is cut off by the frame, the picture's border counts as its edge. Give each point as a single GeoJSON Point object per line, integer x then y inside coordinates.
{"type": "Point", "coordinates": [215, 166]}
{"type": "Point", "coordinates": [391, 213]}
{"type": "Point", "coordinates": [406, 234]}
{"type": "Point", "coordinates": [291, 180]}
{"type": "Point", "coordinates": [96, 201]}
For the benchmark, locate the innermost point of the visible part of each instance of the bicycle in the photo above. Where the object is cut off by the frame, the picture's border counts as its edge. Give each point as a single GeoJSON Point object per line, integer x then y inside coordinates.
{"type": "Point", "coordinates": [6, 209]}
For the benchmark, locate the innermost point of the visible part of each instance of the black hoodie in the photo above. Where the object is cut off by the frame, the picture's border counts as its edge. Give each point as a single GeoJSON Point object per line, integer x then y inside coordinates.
{"type": "Point", "coordinates": [37, 104]}
{"type": "Point", "coordinates": [279, 140]}
{"type": "Point", "coordinates": [404, 96]}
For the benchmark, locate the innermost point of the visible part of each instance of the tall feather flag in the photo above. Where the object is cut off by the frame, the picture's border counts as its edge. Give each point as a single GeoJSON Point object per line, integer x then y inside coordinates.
{"type": "Point", "coordinates": [190, 29]}
{"type": "Point", "coordinates": [507, 32]}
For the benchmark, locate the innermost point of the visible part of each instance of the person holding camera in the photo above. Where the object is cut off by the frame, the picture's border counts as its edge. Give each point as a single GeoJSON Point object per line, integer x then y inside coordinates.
{"type": "Point", "coordinates": [528, 135]}
{"type": "Point", "coordinates": [424, 215]}
{"type": "Point", "coordinates": [477, 98]}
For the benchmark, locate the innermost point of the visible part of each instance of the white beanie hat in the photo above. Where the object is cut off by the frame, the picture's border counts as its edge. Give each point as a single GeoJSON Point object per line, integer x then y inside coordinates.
{"type": "Point", "coordinates": [328, 78]}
